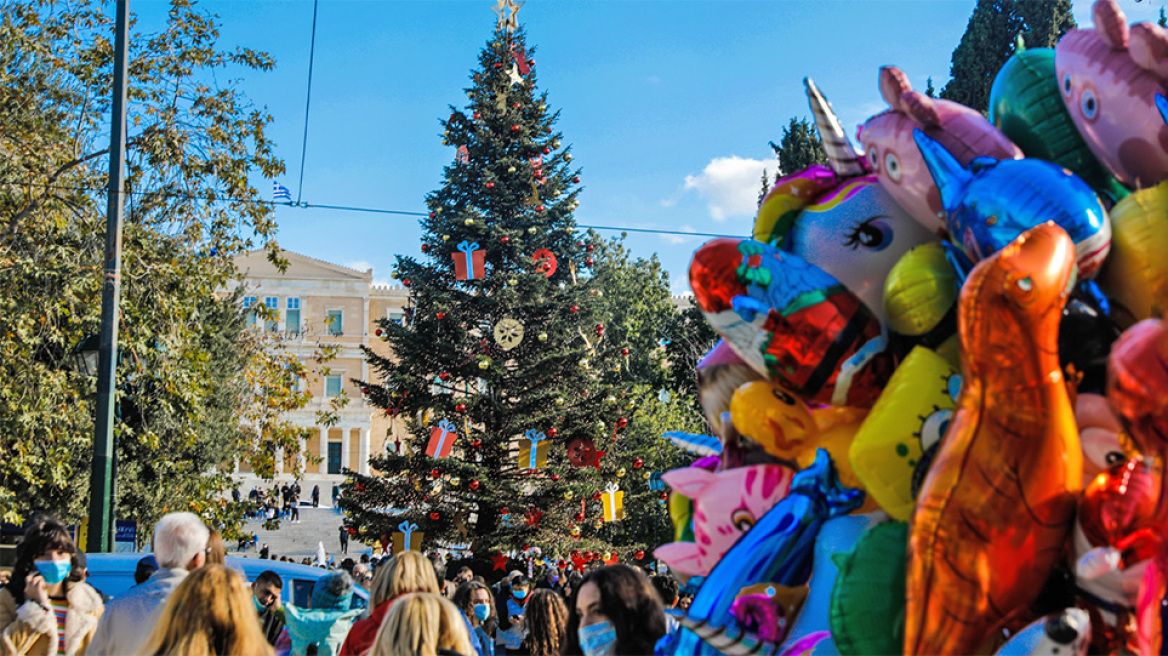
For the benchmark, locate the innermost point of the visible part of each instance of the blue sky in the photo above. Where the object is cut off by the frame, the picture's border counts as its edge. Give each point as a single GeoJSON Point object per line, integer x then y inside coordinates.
{"type": "Point", "coordinates": [668, 104]}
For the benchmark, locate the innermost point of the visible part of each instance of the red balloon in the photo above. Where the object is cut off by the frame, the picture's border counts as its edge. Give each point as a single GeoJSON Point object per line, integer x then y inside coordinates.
{"type": "Point", "coordinates": [1137, 385]}
{"type": "Point", "coordinates": [1118, 509]}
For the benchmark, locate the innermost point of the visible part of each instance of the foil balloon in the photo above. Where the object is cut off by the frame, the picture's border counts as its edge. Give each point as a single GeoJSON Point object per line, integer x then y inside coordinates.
{"type": "Point", "coordinates": [791, 321]}
{"type": "Point", "coordinates": [837, 536]}
{"type": "Point", "coordinates": [996, 508]}
{"type": "Point", "coordinates": [792, 432]}
{"type": "Point", "coordinates": [893, 155]}
{"type": "Point", "coordinates": [992, 201]}
{"type": "Point", "coordinates": [1109, 77]}
{"type": "Point", "coordinates": [1066, 633]}
{"type": "Point", "coordinates": [726, 505]}
{"type": "Point", "coordinates": [912, 415]}
{"type": "Point", "coordinates": [867, 601]}
{"type": "Point", "coordinates": [1099, 431]}
{"type": "Point", "coordinates": [1135, 276]}
{"type": "Point", "coordinates": [1137, 386]}
{"type": "Point", "coordinates": [920, 296]}
{"type": "Point", "coordinates": [1027, 106]}
{"type": "Point", "coordinates": [1149, 606]}
{"type": "Point", "coordinates": [721, 372]}
{"type": "Point", "coordinates": [778, 549]}
{"type": "Point", "coordinates": [1086, 334]}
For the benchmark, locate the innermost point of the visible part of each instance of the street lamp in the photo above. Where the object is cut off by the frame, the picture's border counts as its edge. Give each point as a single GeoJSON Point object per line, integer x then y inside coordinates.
{"type": "Point", "coordinates": [85, 356]}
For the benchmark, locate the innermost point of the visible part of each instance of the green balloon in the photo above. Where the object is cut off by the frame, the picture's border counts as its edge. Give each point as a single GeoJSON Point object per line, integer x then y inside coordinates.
{"type": "Point", "coordinates": [1025, 104]}
{"type": "Point", "coordinates": [867, 602]}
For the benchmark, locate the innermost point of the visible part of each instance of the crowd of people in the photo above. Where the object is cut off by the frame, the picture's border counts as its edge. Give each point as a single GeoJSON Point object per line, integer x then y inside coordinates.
{"type": "Point", "coordinates": [280, 502]}
{"type": "Point", "coordinates": [188, 602]}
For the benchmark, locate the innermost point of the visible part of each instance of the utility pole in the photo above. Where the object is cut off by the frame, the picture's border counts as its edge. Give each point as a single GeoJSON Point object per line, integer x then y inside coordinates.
{"type": "Point", "coordinates": [101, 484]}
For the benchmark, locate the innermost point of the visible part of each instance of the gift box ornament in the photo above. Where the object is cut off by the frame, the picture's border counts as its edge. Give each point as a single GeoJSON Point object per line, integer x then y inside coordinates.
{"type": "Point", "coordinates": [613, 501]}
{"type": "Point", "coordinates": [442, 438]}
{"type": "Point", "coordinates": [533, 450]}
{"type": "Point", "coordinates": [469, 261]}
{"type": "Point", "coordinates": [407, 538]}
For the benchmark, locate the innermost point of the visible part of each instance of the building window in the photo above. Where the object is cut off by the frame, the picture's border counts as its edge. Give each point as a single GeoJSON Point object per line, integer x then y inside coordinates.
{"type": "Point", "coordinates": [332, 386]}
{"type": "Point", "coordinates": [273, 304]}
{"type": "Point", "coordinates": [333, 322]}
{"type": "Point", "coordinates": [397, 317]}
{"type": "Point", "coordinates": [249, 303]}
{"type": "Point", "coordinates": [292, 316]}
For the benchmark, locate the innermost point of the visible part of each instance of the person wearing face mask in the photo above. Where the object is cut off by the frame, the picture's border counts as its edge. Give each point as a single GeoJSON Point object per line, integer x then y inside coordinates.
{"type": "Point", "coordinates": [512, 627]}
{"type": "Point", "coordinates": [265, 592]}
{"type": "Point", "coordinates": [46, 608]}
{"type": "Point", "coordinates": [474, 600]}
{"type": "Point", "coordinates": [615, 612]}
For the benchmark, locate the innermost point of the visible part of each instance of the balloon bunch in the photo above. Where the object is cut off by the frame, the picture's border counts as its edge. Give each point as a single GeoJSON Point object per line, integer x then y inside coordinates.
{"type": "Point", "coordinates": [932, 432]}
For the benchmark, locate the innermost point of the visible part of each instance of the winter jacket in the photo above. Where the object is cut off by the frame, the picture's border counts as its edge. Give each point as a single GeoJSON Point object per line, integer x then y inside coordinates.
{"type": "Point", "coordinates": [361, 636]}
{"type": "Point", "coordinates": [324, 628]}
{"type": "Point", "coordinates": [129, 619]}
{"type": "Point", "coordinates": [31, 630]}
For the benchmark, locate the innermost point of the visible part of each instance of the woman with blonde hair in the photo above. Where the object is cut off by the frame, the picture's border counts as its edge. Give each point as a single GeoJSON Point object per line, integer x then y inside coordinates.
{"type": "Point", "coordinates": [404, 573]}
{"type": "Point", "coordinates": [546, 619]}
{"type": "Point", "coordinates": [209, 614]}
{"type": "Point", "coordinates": [423, 624]}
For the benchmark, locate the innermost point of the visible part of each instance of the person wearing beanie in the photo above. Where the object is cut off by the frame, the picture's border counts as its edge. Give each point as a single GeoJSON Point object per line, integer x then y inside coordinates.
{"type": "Point", "coordinates": [326, 623]}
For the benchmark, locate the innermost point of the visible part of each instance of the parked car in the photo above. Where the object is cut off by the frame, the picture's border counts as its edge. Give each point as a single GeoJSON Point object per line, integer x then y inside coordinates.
{"type": "Point", "coordinates": [113, 574]}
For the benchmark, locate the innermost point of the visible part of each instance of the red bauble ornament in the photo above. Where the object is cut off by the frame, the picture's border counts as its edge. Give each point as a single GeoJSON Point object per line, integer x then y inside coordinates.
{"type": "Point", "coordinates": [590, 248]}
{"type": "Point", "coordinates": [517, 105]}
{"type": "Point", "coordinates": [638, 463]}
{"type": "Point", "coordinates": [364, 390]}
{"type": "Point", "coordinates": [546, 150]}
{"type": "Point", "coordinates": [588, 555]}
{"type": "Point", "coordinates": [589, 262]}
{"type": "Point", "coordinates": [435, 473]}
{"type": "Point", "coordinates": [389, 412]}
{"type": "Point", "coordinates": [625, 352]}
{"type": "Point", "coordinates": [476, 443]}
{"type": "Point", "coordinates": [576, 179]}
{"type": "Point", "coordinates": [553, 431]}
{"type": "Point", "coordinates": [555, 477]}
{"type": "Point", "coordinates": [526, 547]}
{"type": "Point", "coordinates": [498, 65]}
{"type": "Point", "coordinates": [531, 62]}
{"type": "Point", "coordinates": [425, 248]}
{"type": "Point", "coordinates": [445, 375]}
{"type": "Point", "coordinates": [505, 239]}
{"type": "Point", "coordinates": [351, 530]}
{"type": "Point", "coordinates": [622, 422]}
{"type": "Point", "coordinates": [639, 554]}
{"type": "Point", "coordinates": [663, 496]}
{"type": "Point", "coordinates": [595, 495]}
{"type": "Point", "coordinates": [477, 116]}
{"type": "Point", "coordinates": [574, 309]}
{"type": "Point", "coordinates": [539, 208]}
{"type": "Point", "coordinates": [474, 485]}
{"type": "Point", "coordinates": [407, 282]}
{"type": "Point", "coordinates": [435, 516]}
{"type": "Point", "coordinates": [440, 315]}
{"type": "Point", "coordinates": [461, 407]}
{"type": "Point", "coordinates": [433, 215]}
{"type": "Point", "coordinates": [599, 329]}
{"type": "Point", "coordinates": [377, 332]}
{"type": "Point", "coordinates": [514, 128]}
{"type": "Point", "coordinates": [504, 511]}
{"type": "Point", "coordinates": [579, 517]}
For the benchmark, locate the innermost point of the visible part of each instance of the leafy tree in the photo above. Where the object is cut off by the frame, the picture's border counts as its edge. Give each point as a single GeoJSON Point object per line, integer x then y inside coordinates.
{"type": "Point", "coordinates": [799, 147]}
{"type": "Point", "coordinates": [193, 142]}
{"type": "Point", "coordinates": [764, 186]}
{"type": "Point", "coordinates": [1162, 21]}
{"type": "Point", "coordinates": [989, 40]}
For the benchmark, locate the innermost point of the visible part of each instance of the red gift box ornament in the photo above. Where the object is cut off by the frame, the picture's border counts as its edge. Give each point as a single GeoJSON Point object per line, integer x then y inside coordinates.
{"type": "Point", "coordinates": [442, 438]}
{"type": "Point", "coordinates": [469, 262]}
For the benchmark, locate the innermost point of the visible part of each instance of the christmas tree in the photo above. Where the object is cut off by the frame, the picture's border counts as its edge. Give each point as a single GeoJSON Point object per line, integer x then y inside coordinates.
{"type": "Point", "coordinates": [517, 377]}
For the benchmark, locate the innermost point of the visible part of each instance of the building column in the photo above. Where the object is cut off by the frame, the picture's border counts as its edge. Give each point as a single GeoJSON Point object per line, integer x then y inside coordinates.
{"type": "Point", "coordinates": [323, 469]}
{"type": "Point", "coordinates": [363, 453]}
{"type": "Point", "coordinates": [346, 441]}
{"type": "Point", "coordinates": [301, 457]}
{"type": "Point", "coordinates": [280, 460]}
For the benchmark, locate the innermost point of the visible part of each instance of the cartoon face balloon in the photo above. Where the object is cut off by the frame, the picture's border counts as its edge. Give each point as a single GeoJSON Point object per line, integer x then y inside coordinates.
{"type": "Point", "coordinates": [893, 156]}
{"type": "Point", "coordinates": [1109, 77]}
{"type": "Point", "coordinates": [726, 505]}
{"type": "Point", "coordinates": [991, 202]}
{"type": "Point", "coordinates": [1136, 274]}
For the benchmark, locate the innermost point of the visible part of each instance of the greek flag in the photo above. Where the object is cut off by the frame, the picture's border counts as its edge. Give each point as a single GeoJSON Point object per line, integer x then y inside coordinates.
{"type": "Point", "coordinates": [280, 192]}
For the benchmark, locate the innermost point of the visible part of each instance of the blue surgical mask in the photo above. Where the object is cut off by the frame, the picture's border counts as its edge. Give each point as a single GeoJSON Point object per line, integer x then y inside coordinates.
{"type": "Point", "coordinates": [519, 594]}
{"type": "Point", "coordinates": [597, 639]}
{"type": "Point", "coordinates": [54, 571]}
{"type": "Point", "coordinates": [482, 612]}
{"type": "Point", "coordinates": [259, 607]}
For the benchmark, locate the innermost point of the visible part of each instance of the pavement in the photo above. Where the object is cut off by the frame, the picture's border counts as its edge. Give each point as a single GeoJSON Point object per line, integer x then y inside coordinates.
{"type": "Point", "coordinates": [300, 539]}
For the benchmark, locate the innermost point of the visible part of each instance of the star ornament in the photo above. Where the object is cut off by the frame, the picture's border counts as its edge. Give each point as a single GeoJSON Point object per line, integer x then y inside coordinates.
{"type": "Point", "coordinates": [533, 516]}
{"type": "Point", "coordinates": [596, 461]}
{"type": "Point", "coordinates": [514, 75]}
{"type": "Point", "coordinates": [500, 561]}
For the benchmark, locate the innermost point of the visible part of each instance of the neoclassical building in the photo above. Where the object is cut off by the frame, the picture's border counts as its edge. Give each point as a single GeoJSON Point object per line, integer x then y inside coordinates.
{"type": "Point", "coordinates": [321, 302]}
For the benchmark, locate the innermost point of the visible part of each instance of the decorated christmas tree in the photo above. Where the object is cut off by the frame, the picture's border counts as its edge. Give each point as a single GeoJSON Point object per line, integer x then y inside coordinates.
{"type": "Point", "coordinates": [517, 391]}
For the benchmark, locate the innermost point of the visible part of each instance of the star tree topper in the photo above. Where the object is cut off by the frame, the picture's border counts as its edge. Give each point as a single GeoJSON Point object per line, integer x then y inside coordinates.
{"type": "Point", "coordinates": [507, 11]}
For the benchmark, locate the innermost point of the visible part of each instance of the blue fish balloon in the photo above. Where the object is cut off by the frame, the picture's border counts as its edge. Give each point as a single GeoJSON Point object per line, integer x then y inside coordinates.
{"type": "Point", "coordinates": [778, 549]}
{"type": "Point", "coordinates": [991, 202]}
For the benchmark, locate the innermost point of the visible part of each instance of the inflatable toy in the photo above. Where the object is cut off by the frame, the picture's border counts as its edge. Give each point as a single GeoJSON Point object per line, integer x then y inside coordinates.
{"type": "Point", "coordinates": [997, 505]}
{"type": "Point", "coordinates": [893, 155]}
{"type": "Point", "coordinates": [777, 550]}
{"type": "Point", "coordinates": [911, 415]}
{"type": "Point", "coordinates": [1135, 275]}
{"type": "Point", "coordinates": [721, 372]}
{"type": "Point", "coordinates": [726, 505]}
{"type": "Point", "coordinates": [1063, 634]}
{"type": "Point", "coordinates": [1137, 386]}
{"type": "Point", "coordinates": [920, 295]}
{"type": "Point", "coordinates": [867, 601]}
{"type": "Point", "coordinates": [791, 321]}
{"type": "Point", "coordinates": [1027, 106]}
{"type": "Point", "coordinates": [1110, 76]}
{"type": "Point", "coordinates": [991, 202]}
{"type": "Point", "coordinates": [1099, 434]}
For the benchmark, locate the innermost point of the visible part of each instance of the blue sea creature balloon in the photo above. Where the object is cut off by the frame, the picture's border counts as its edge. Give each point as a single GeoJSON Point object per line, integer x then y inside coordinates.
{"type": "Point", "coordinates": [991, 202]}
{"type": "Point", "coordinates": [778, 549]}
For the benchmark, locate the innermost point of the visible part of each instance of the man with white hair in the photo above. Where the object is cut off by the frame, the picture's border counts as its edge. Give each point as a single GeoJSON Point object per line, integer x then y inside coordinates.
{"type": "Point", "coordinates": [180, 546]}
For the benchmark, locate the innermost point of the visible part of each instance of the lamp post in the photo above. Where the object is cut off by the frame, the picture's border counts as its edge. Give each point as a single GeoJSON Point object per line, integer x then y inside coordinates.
{"type": "Point", "coordinates": [101, 488]}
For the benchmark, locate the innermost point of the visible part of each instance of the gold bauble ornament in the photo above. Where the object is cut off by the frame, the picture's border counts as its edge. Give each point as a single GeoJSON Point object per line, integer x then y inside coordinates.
{"type": "Point", "coordinates": [610, 399]}
{"type": "Point", "coordinates": [646, 475]}
{"type": "Point", "coordinates": [468, 222]}
{"type": "Point", "coordinates": [532, 230]}
{"type": "Point", "coordinates": [598, 524]}
{"type": "Point", "coordinates": [455, 481]}
{"type": "Point", "coordinates": [445, 237]}
{"type": "Point", "coordinates": [584, 362]}
{"type": "Point", "coordinates": [568, 496]}
{"type": "Point", "coordinates": [616, 367]}
{"type": "Point", "coordinates": [567, 157]}
{"type": "Point", "coordinates": [600, 425]}
{"type": "Point", "coordinates": [485, 363]}
{"type": "Point", "coordinates": [607, 556]}
{"type": "Point", "coordinates": [620, 473]}
{"type": "Point", "coordinates": [560, 400]}
{"type": "Point", "coordinates": [510, 169]}
{"type": "Point", "coordinates": [630, 404]}
{"type": "Point", "coordinates": [543, 337]}
{"type": "Point", "coordinates": [512, 282]}
{"type": "Point", "coordinates": [575, 531]}
{"type": "Point", "coordinates": [543, 108]}
{"type": "Point", "coordinates": [394, 275]}
{"type": "Point", "coordinates": [555, 144]}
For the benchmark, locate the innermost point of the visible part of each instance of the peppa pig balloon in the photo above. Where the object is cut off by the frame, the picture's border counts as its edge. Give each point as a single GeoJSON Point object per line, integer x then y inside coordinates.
{"type": "Point", "coordinates": [726, 505]}
{"type": "Point", "coordinates": [791, 321]}
{"type": "Point", "coordinates": [893, 155]}
{"type": "Point", "coordinates": [990, 202]}
{"type": "Point", "coordinates": [1110, 76]}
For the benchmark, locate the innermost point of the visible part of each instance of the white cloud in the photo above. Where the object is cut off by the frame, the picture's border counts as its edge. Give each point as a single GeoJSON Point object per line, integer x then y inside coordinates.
{"type": "Point", "coordinates": [359, 265]}
{"type": "Point", "coordinates": [730, 185]}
